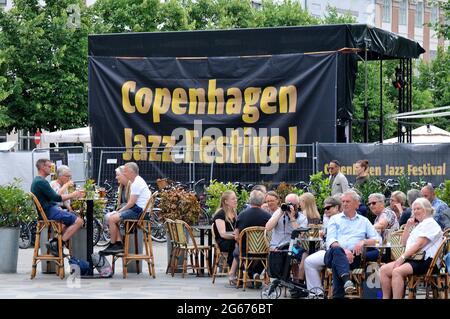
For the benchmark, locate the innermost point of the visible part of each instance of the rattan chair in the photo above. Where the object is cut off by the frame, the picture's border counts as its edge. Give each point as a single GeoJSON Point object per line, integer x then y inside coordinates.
{"type": "Point", "coordinates": [255, 250]}
{"type": "Point", "coordinates": [52, 226]}
{"type": "Point", "coordinates": [436, 280]}
{"type": "Point", "coordinates": [220, 260]}
{"type": "Point", "coordinates": [172, 231]}
{"type": "Point", "coordinates": [186, 249]}
{"type": "Point", "coordinates": [132, 227]}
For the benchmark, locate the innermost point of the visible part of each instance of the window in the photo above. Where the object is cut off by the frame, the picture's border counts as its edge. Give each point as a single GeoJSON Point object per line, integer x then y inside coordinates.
{"type": "Point", "coordinates": [434, 14]}
{"type": "Point", "coordinates": [403, 12]}
{"type": "Point", "coordinates": [387, 11]}
{"type": "Point", "coordinates": [2, 2]}
{"type": "Point", "coordinates": [419, 15]}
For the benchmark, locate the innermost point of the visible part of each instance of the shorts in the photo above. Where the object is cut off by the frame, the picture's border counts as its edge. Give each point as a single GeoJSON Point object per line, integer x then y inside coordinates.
{"type": "Point", "coordinates": [420, 267]}
{"type": "Point", "coordinates": [131, 213]}
{"type": "Point", "coordinates": [56, 213]}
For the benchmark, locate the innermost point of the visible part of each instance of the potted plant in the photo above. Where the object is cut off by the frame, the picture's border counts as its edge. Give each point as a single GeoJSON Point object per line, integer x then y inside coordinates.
{"type": "Point", "coordinates": [15, 208]}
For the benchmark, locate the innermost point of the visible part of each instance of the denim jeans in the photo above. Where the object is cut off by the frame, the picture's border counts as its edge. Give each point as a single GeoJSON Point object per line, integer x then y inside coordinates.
{"type": "Point", "coordinates": [336, 259]}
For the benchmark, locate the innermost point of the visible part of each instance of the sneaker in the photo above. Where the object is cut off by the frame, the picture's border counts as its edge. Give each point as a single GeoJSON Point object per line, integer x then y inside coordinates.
{"type": "Point", "coordinates": [257, 284]}
{"type": "Point", "coordinates": [349, 287]}
{"type": "Point", "coordinates": [107, 250]}
{"type": "Point", "coordinates": [116, 249]}
{"type": "Point", "coordinates": [298, 293]}
{"type": "Point", "coordinates": [52, 247]}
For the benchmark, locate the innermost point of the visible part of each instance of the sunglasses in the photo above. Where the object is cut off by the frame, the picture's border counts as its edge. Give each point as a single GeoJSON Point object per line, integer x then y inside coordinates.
{"type": "Point", "coordinates": [372, 203]}
{"type": "Point", "coordinates": [327, 207]}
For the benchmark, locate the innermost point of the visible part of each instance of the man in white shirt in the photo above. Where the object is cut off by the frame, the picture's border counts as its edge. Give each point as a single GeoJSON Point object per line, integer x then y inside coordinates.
{"type": "Point", "coordinates": [139, 196]}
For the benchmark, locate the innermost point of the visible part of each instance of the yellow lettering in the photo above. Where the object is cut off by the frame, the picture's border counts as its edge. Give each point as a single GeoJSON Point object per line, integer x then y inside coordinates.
{"type": "Point", "coordinates": [140, 149]}
{"type": "Point", "coordinates": [234, 103]}
{"type": "Point", "coordinates": [128, 136]}
{"type": "Point", "coordinates": [197, 98]}
{"type": "Point", "coordinates": [127, 88]}
{"type": "Point", "coordinates": [269, 95]}
{"type": "Point", "coordinates": [161, 104]}
{"type": "Point", "coordinates": [215, 96]}
{"type": "Point", "coordinates": [143, 100]}
{"type": "Point", "coordinates": [179, 99]}
{"type": "Point", "coordinates": [251, 112]}
{"type": "Point", "coordinates": [288, 96]}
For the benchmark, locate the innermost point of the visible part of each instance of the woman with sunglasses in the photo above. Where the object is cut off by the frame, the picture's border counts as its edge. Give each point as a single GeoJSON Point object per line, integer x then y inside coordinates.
{"type": "Point", "coordinates": [315, 262]}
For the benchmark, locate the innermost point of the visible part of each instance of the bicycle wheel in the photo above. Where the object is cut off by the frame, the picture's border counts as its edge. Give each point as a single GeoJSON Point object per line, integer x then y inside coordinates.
{"type": "Point", "coordinates": [158, 232]}
{"type": "Point", "coordinates": [105, 237]}
{"type": "Point", "coordinates": [32, 226]}
{"type": "Point", "coordinates": [24, 236]}
{"type": "Point", "coordinates": [203, 217]}
{"type": "Point", "coordinates": [97, 231]}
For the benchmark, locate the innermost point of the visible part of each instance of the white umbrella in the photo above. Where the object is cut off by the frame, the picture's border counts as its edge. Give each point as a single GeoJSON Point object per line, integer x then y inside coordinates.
{"type": "Point", "coordinates": [425, 134]}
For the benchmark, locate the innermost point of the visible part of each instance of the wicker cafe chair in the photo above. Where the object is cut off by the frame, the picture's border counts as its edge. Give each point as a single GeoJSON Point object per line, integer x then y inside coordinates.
{"type": "Point", "coordinates": [436, 279]}
{"type": "Point", "coordinates": [51, 225]}
{"type": "Point", "coordinates": [395, 240]}
{"type": "Point", "coordinates": [132, 227]}
{"type": "Point", "coordinates": [255, 250]}
{"type": "Point", "coordinates": [357, 275]}
{"type": "Point", "coordinates": [193, 250]}
{"type": "Point", "coordinates": [220, 260]}
{"type": "Point", "coordinates": [172, 231]}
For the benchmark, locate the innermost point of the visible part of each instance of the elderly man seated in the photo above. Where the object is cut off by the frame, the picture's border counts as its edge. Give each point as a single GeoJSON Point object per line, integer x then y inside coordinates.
{"type": "Point", "coordinates": [347, 234]}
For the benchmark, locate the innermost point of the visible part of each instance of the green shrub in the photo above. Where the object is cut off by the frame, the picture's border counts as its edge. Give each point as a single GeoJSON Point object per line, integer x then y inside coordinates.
{"type": "Point", "coordinates": [15, 205]}
{"type": "Point", "coordinates": [444, 194]}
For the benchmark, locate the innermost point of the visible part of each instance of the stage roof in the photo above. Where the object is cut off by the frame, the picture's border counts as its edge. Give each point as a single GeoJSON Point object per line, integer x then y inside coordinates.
{"type": "Point", "coordinates": [261, 41]}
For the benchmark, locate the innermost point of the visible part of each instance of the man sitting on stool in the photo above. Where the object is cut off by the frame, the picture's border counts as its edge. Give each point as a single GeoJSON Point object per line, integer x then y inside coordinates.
{"type": "Point", "coordinates": [49, 200]}
{"type": "Point", "coordinates": [139, 196]}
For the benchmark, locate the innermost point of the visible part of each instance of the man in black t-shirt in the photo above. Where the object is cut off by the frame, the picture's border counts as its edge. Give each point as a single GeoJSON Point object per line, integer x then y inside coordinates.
{"type": "Point", "coordinates": [253, 216]}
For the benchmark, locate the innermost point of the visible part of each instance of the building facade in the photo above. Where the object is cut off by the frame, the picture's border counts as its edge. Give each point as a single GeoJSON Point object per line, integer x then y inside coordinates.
{"type": "Point", "coordinates": [408, 18]}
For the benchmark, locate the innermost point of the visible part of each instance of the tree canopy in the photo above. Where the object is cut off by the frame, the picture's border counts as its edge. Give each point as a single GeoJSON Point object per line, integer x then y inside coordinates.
{"type": "Point", "coordinates": [43, 53]}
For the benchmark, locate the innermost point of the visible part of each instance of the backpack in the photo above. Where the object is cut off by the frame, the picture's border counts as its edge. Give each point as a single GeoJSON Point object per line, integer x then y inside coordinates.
{"type": "Point", "coordinates": [102, 265]}
{"type": "Point", "coordinates": [82, 265]}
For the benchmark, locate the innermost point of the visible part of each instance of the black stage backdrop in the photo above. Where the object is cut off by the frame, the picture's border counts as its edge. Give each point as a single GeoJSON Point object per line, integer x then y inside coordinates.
{"type": "Point", "coordinates": [254, 103]}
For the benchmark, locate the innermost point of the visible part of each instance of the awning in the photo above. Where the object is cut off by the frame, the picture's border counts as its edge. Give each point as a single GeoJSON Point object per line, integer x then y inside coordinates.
{"type": "Point", "coordinates": [76, 135]}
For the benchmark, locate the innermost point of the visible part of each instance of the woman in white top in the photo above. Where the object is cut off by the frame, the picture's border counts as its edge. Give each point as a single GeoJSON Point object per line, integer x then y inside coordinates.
{"type": "Point", "coordinates": [425, 237]}
{"type": "Point", "coordinates": [62, 183]}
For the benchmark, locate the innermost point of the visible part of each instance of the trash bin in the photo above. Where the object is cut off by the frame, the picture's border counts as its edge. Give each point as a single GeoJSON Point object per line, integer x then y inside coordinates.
{"type": "Point", "coordinates": [79, 244]}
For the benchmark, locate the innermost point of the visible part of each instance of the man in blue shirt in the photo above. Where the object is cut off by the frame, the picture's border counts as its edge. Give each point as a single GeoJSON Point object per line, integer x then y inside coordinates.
{"type": "Point", "coordinates": [438, 205]}
{"type": "Point", "coordinates": [347, 234]}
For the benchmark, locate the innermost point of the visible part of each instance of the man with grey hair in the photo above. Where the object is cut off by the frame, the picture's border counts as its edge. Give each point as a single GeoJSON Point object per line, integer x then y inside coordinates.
{"type": "Point", "coordinates": [385, 220]}
{"type": "Point", "coordinates": [139, 196]}
{"type": "Point", "coordinates": [347, 234]}
{"type": "Point", "coordinates": [438, 205]}
{"type": "Point", "coordinates": [253, 216]}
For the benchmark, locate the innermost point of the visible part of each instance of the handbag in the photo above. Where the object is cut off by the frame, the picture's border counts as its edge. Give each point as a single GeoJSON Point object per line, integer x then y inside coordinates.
{"type": "Point", "coordinates": [417, 256]}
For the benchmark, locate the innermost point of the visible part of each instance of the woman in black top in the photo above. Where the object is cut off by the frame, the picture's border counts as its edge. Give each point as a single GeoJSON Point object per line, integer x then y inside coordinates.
{"type": "Point", "coordinates": [224, 221]}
